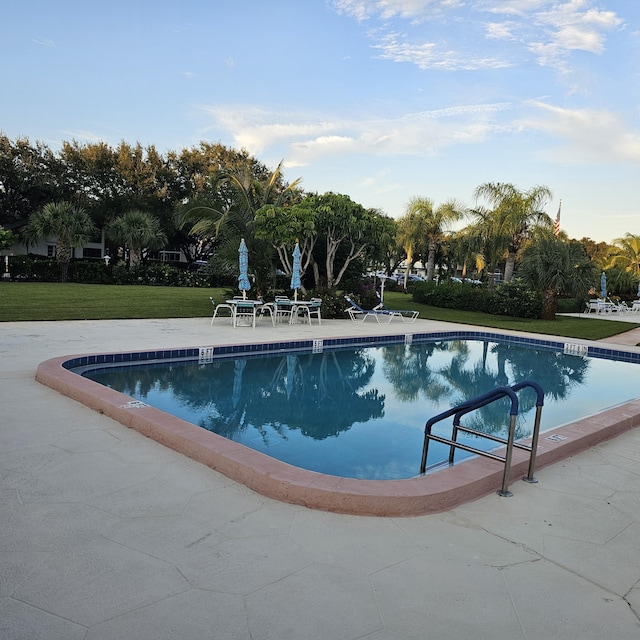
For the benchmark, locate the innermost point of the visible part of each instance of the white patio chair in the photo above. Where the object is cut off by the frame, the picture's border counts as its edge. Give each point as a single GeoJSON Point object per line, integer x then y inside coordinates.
{"type": "Point", "coordinates": [283, 308]}
{"type": "Point", "coordinates": [314, 309]}
{"type": "Point", "coordinates": [221, 307]}
{"type": "Point", "coordinates": [264, 309]}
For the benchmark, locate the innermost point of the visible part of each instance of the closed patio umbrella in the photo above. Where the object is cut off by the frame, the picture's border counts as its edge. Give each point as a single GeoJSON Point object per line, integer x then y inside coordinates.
{"type": "Point", "coordinates": [243, 279]}
{"type": "Point", "coordinates": [295, 272]}
{"type": "Point", "coordinates": [603, 285]}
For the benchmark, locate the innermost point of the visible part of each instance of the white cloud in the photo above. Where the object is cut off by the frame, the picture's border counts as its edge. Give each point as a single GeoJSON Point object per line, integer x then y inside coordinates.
{"type": "Point", "coordinates": [500, 30]}
{"type": "Point", "coordinates": [574, 135]}
{"type": "Point", "coordinates": [84, 136]}
{"type": "Point", "coordinates": [386, 9]}
{"type": "Point", "coordinates": [551, 29]}
{"type": "Point", "coordinates": [429, 55]}
{"type": "Point", "coordinates": [311, 137]}
{"type": "Point", "coordinates": [45, 42]}
{"type": "Point", "coordinates": [586, 135]}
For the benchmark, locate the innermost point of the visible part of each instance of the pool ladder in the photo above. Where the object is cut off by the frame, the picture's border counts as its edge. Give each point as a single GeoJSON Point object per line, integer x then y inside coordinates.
{"type": "Point", "coordinates": [477, 403]}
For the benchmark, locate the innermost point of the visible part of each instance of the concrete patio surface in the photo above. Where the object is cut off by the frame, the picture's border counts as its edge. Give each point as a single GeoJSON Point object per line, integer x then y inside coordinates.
{"type": "Point", "coordinates": [105, 534]}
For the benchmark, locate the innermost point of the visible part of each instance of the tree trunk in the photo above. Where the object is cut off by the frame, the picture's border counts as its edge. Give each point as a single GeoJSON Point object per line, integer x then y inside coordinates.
{"type": "Point", "coordinates": [135, 257]}
{"type": "Point", "coordinates": [63, 256]}
{"type": "Point", "coordinates": [549, 305]}
{"type": "Point", "coordinates": [431, 261]}
{"type": "Point", "coordinates": [509, 266]}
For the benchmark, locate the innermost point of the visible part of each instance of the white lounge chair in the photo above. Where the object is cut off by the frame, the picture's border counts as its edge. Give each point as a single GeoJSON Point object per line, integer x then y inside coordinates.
{"type": "Point", "coordinates": [358, 314]}
{"type": "Point", "coordinates": [407, 315]}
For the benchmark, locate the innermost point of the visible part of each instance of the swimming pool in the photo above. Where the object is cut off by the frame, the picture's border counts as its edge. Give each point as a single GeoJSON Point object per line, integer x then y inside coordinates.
{"type": "Point", "coordinates": [284, 481]}
{"type": "Point", "coordinates": [360, 412]}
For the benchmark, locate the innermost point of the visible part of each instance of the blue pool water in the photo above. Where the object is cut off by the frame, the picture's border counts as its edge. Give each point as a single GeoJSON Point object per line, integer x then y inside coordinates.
{"type": "Point", "coordinates": [360, 411]}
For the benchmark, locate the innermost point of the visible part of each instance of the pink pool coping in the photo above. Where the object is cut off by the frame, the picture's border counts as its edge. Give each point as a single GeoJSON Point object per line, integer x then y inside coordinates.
{"type": "Point", "coordinates": [433, 493]}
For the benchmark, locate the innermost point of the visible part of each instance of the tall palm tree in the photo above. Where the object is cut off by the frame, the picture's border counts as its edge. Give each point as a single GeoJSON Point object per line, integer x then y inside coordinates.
{"type": "Point", "coordinates": [424, 226]}
{"type": "Point", "coordinates": [552, 266]}
{"type": "Point", "coordinates": [411, 232]}
{"type": "Point", "coordinates": [514, 212]}
{"type": "Point", "coordinates": [137, 231]}
{"type": "Point", "coordinates": [70, 225]}
{"type": "Point", "coordinates": [628, 255]}
{"type": "Point", "coordinates": [447, 213]}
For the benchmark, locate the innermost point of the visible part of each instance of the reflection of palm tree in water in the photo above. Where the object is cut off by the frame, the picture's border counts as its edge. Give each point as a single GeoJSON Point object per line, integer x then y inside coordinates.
{"type": "Point", "coordinates": [474, 381]}
{"type": "Point", "coordinates": [318, 394]}
{"type": "Point", "coordinates": [406, 367]}
{"type": "Point", "coordinates": [557, 372]}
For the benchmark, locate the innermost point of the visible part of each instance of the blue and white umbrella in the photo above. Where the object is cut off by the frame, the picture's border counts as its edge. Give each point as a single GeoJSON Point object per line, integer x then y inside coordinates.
{"type": "Point", "coordinates": [638, 289]}
{"type": "Point", "coordinates": [295, 272]}
{"type": "Point", "coordinates": [243, 279]}
{"type": "Point", "coordinates": [603, 285]}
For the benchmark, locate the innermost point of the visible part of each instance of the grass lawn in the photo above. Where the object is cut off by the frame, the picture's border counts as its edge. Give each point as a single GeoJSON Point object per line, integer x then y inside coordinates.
{"type": "Point", "coordinates": [23, 301]}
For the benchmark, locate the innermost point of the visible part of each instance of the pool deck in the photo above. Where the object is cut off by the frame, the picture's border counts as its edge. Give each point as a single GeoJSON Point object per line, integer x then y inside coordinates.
{"type": "Point", "coordinates": [106, 534]}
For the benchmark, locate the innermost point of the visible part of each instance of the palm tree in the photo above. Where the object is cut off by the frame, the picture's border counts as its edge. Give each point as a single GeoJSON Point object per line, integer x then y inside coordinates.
{"type": "Point", "coordinates": [442, 217]}
{"type": "Point", "coordinates": [552, 266]}
{"type": "Point", "coordinates": [240, 193]}
{"type": "Point", "coordinates": [410, 232]}
{"type": "Point", "coordinates": [514, 213]}
{"type": "Point", "coordinates": [628, 256]}
{"type": "Point", "coordinates": [70, 225]}
{"type": "Point", "coordinates": [136, 231]}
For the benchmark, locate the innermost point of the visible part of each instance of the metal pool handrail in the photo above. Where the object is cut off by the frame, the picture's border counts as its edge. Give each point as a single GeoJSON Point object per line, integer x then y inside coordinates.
{"type": "Point", "coordinates": [476, 403]}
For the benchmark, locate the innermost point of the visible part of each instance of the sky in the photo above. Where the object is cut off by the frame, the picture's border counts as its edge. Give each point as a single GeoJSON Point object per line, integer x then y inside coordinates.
{"type": "Point", "coordinates": [382, 100]}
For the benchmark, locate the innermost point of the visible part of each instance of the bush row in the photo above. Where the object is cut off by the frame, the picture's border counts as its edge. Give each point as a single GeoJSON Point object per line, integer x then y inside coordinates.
{"type": "Point", "coordinates": [508, 299]}
{"type": "Point", "coordinates": [28, 268]}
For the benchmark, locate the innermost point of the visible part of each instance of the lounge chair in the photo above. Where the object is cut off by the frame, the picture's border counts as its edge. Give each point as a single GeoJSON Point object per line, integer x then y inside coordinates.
{"type": "Point", "coordinates": [407, 315]}
{"type": "Point", "coordinates": [382, 316]}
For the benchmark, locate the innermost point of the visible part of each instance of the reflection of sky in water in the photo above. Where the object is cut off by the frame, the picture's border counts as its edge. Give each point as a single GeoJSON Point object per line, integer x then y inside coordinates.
{"type": "Point", "coordinates": [377, 436]}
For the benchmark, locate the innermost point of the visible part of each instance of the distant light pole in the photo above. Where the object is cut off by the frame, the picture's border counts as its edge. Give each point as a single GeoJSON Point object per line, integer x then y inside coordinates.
{"type": "Point", "coordinates": [382, 281]}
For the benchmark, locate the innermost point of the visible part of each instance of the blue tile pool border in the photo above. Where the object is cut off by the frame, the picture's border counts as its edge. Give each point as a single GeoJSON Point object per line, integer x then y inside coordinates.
{"type": "Point", "coordinates": [82, 363]}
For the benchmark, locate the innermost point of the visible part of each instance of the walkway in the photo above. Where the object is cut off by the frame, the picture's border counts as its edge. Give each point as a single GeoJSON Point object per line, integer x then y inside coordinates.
{"type": "Point", "coordinates": [105, 534]}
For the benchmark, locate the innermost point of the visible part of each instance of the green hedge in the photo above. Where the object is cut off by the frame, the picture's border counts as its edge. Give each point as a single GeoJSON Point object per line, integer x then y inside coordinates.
{"type": "Point", "coordinates": [508, 299]}
{"type": "Point", "coordinates": [35, 269]}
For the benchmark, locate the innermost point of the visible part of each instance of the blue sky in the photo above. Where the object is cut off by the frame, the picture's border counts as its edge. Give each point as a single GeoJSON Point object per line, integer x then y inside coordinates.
{"type": "Point", "coordinates": [382, 100]}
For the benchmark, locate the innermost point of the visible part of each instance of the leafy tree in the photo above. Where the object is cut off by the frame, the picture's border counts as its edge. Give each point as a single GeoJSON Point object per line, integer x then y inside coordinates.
{"type": "Point", "coordinates": [349, 233]}
{"type": "Point", "coordinates": [387, 252]}
{"type": "Point", "coordinates": [29, 179]}
{"type": "Point", "coordinates": [7, 238]}
{"type": "Point", "coordinates": [282, 227]}
{"type": "Point", "coordinates": [137, 231]}
{"type": "Point", "coordinates": [599, 252]}
{"type": "Point", "coordinates": [69, 224]}
{"type": "Point", "coordinates": [513, 214]}
{"type": "Point", "coordinates": [552, 266]}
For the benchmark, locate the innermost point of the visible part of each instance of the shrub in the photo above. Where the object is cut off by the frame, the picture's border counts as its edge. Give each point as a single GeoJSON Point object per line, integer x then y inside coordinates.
{"type": "Point", "coordinates": [509, 299]}
{"type": "Point", "coordinates": [33, 268]}
{"type": "Point", "coordinates": [517, 300]}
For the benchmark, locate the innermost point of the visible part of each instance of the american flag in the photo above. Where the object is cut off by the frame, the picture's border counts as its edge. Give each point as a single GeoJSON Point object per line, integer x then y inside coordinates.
{"type": "Point", "coordinates": [556, 222]}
